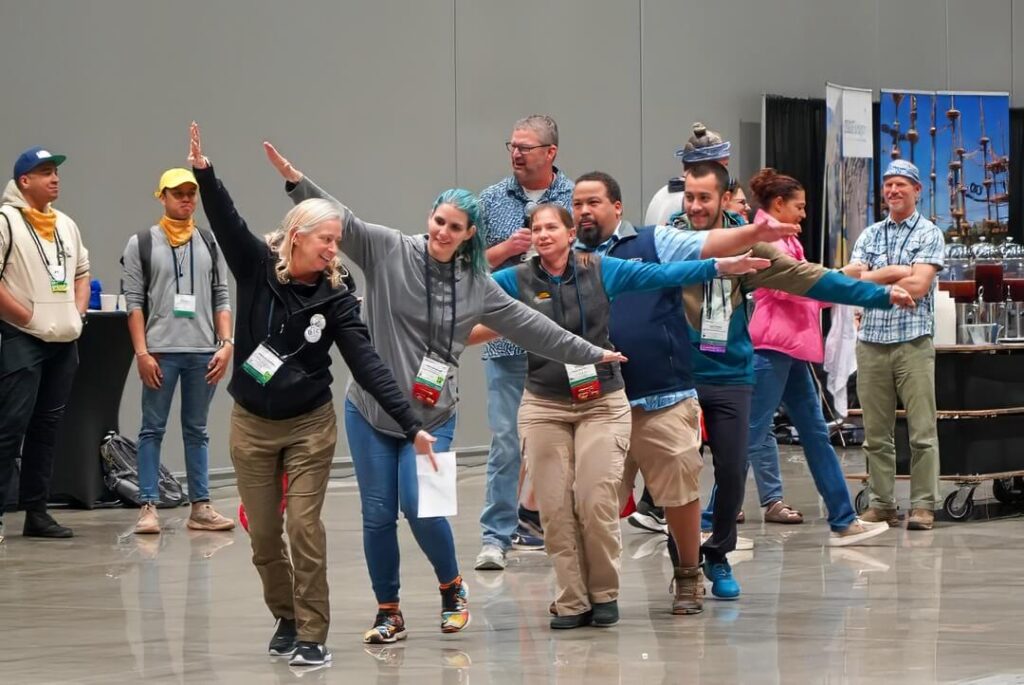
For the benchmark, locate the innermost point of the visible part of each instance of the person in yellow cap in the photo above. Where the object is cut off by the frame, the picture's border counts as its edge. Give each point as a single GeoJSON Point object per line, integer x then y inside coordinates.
{"type": "Point", "coordinates": [179, 317]}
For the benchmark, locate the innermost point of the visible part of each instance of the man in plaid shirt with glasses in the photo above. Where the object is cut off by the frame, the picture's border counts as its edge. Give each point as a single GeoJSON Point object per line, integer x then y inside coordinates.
{"type": "Point", "coordinates": [895, 355]}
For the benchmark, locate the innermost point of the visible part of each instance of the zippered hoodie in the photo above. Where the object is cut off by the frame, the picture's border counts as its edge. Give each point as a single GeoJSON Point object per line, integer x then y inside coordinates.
{"type": "Point", "coordinates": [278, 315]}
{"type": "Point", "coordinates": [787, 323]}
{"type": "Point", "coordinates": [55, 318]}
{"type": "Point", "coordinates": [396, 310]}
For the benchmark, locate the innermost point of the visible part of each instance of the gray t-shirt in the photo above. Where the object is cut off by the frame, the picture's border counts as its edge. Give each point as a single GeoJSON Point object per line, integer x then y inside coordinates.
{"type": "Point", "coordinates": [166, 332]}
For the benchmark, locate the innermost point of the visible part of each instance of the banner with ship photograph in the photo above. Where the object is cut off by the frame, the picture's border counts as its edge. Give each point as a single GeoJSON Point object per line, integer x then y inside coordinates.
{"type": "Point", "coordinates": [848, 159]}
{"type": "Point", "coordinates": [960, 141]}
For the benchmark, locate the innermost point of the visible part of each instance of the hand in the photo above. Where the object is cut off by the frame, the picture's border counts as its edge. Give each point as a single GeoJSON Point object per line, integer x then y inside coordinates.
{"type": "Point", "coordinates": [741, 265]}
{"type": "Point", "coordinates": [612, 356]}
{"type": "Point", "coordinates": [519, 242]}
{"type": "Point", "coordinates": [195, 148]}
{"type": "Point", "coordinates": [149, 371]}
{"type": "Point", "coordinates": [283, 166]}
{"type": "Point", "coordinates": [424, 444]}
{"type": "Point", "coordinates": [855, 269]}
{"type": "Point", "coordinates": [218, 365]}
{"type": "Point", "coordinates": [770, 231]}
{"type": "Point", "coordinates": [25, 319]}
{"type": "Point", "coordinates": [901, 298]}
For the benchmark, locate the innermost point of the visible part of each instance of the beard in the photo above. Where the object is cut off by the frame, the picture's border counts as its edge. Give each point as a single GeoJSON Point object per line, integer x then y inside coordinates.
{"type": "Point", "coordinates": [715, 218]}
{"type": "Point", "coordinates": [590, 235]}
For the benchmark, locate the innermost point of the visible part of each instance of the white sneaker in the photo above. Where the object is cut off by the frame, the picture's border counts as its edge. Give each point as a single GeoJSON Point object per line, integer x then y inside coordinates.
{"type": "Point", "coordinates": [857, 532]}
{"type": "Point", "coordinates": [742, 544]}
{"type": "Point", "coordinates": [491, 558]}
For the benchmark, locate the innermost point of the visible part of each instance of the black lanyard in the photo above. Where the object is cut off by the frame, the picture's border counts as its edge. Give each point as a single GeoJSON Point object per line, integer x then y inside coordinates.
{"type": "Point", "coordinates": [178, 262]}
{"type": "Point", "coordinates": [430, 308]}
{"type": "Point", "coordinates": [905, 240]}
{"type": "Point", "coordinates": [42, 253]}
{"type": "Point", "coordinates": [270, 332]}
{"type": "Point", "coordinates": [709, 288]}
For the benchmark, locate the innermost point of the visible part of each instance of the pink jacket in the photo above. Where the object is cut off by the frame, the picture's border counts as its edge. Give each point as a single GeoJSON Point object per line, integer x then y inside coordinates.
{"type": "Point", "coordinates": [788, 323]}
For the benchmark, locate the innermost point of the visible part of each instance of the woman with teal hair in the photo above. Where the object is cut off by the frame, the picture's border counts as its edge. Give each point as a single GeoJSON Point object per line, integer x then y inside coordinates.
{"type": "Point", "coordinates": [424, 295]}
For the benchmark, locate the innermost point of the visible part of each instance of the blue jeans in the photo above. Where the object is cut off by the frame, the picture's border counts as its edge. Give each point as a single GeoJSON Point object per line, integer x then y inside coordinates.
{"type": "Point", "coordinates": [196, 393]}
{"type": "Point", "coordinates": [386, 472]}
{"type": "Point", "coordinates": [783, 379]}
{"type": "Point", "coordinates": [506, 377]}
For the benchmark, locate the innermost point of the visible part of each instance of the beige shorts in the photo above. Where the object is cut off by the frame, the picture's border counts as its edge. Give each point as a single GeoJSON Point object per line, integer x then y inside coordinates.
{"type": "Point", "coordinates": [665, 447]}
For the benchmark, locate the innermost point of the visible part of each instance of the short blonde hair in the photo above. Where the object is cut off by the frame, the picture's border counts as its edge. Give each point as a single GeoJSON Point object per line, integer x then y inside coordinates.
{"type": "Point", "coordinates": [304, 218]}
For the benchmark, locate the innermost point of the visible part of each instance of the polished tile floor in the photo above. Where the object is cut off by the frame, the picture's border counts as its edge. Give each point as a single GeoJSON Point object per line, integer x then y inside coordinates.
{"type": "Point", "coordinates": [108, 607]}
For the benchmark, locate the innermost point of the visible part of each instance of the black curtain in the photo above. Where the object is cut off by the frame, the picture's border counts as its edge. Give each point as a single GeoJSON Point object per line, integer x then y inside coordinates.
{"type": "Point", "coordinates": [1016, 178]}
{"type": "Point", "coordinates": [795, 144]}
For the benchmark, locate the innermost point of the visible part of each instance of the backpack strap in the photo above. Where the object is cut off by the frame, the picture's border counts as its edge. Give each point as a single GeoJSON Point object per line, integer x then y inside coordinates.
{"type": "Point", "coordinates": [211, 247]}
{"type": "Point", "coordinates": [10, 242]}
{"type": "Point", "coordinates": [144, 242]}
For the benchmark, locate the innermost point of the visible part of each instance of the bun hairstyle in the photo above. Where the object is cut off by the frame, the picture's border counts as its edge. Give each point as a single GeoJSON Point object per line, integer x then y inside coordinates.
{"type": "Point", "coordinates": [768, 184]}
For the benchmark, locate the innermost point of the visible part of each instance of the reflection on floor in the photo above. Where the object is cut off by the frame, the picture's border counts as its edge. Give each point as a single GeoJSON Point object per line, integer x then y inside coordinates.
{"type": "Point", "coordinates": [110, 607]}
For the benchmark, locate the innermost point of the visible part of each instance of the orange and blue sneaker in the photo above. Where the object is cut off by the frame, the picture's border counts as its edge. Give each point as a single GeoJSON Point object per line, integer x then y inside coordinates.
{"type": "Point", "coordinates": [454, 606]}
{"type": "Point", "coordinates": [388, 627]}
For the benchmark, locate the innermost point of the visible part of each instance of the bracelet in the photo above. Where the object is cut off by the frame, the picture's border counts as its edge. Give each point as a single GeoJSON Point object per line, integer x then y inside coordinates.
{"type": "Point", "coordinates": [144, 353]}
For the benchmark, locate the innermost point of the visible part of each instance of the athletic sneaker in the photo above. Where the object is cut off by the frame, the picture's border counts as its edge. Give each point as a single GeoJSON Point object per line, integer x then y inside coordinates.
{"type": "Point", "coordinates": [387, 628]}
{"type": "Point", "coordinates": [723, 585]}
{"type": "Point", "coordinates": [524, 541]}
{"type": "Point", "coordinates": [283, 643]}
{"type": "Point", "coordinates": [857, 532]}
{"type": "Point", "coordinates": [455, 607]}
{"type": "Point", "coordinates": [491, 558]}
{"type": "Point", "coordinates": [648, 518]}
{"type": "Point", "coordinates": [529, 522]}
{"type": "Point", "coordinates": [310, 654]}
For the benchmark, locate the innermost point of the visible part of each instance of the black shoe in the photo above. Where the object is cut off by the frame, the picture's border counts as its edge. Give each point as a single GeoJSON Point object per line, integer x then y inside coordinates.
{"type": "Point", "coordinates": [569, 622]}
{"type": "Point", "coordinates": [606, 613]}
{"type": "Point", "coordinates": [283, 643]}
{"type": "Point", "coordinates": [310, 654]}
{"type": "Point", "coordinates": [39, 524]}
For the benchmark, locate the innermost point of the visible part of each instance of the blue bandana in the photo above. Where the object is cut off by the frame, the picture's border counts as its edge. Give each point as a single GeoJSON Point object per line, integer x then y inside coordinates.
{"type": "Point", "coordinates": [710, 153]}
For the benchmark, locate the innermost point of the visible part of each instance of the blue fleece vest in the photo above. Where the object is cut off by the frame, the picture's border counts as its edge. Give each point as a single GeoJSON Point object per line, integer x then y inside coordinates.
{"type": "Point", "coordinates": [650, 329]}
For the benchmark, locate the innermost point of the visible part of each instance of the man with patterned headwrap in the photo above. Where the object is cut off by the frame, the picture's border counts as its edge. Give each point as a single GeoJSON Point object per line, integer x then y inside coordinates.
{"type": "Point", "coordinates": [704, 145]}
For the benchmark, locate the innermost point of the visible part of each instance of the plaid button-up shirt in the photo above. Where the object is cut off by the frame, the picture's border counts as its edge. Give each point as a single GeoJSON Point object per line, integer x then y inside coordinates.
{"type": "Point", "coordinates": [915, 240]}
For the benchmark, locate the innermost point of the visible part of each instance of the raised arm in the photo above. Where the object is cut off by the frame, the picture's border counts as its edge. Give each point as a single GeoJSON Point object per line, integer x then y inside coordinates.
{"type": "Point", "coordinates": [722, 242]}
{"type": "Point", "coordinates": [242, 250]}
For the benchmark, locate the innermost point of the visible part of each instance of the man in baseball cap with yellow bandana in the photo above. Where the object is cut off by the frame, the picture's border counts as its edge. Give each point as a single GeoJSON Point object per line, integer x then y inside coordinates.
{"type": "Point", "coordinates": [179, 317]}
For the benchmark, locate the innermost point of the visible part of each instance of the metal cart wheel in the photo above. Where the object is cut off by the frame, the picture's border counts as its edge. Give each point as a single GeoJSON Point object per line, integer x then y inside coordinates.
{"type": "Point", "coordinates": [959, 504]}
{"type": "Point", "coordinates": [1009, 490]}
{"type": "Point", "coordinates": [861, 501]}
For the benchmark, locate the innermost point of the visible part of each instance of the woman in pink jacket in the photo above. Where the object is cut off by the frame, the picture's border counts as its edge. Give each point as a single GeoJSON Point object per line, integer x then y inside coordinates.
{"type": "Point", "coordinates": [786, 332]}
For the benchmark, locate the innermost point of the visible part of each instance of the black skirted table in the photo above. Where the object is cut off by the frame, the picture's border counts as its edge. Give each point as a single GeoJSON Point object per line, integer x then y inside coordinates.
{"type": "Point", "coordinates": [104, 359]}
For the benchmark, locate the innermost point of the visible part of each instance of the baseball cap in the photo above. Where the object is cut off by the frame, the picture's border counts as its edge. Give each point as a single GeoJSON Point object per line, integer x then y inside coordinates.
{"type": "Point", "coordinates": [33, 157]}
{"type": "Point", "coordinates": [901, 167]}
{"type": "Point", "coordinates": [172, 178]}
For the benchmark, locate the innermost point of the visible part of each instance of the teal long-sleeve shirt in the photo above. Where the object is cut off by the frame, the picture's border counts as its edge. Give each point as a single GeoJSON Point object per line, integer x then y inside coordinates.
{"type": "Point", "coordinates": [622, 276]}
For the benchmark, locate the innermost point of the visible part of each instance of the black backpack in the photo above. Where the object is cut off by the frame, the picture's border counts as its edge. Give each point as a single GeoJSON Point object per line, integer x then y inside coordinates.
{"type": "Point", "coordinates": [145, 243]}
{"type": "Point", "coordinates": [121, 474]}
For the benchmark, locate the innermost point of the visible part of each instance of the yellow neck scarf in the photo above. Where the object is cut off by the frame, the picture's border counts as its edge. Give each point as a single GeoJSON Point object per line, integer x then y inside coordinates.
{"type": "Point", "coordinates": [178, 232]}
{"type": "Point", "coordinates": [45, 223]}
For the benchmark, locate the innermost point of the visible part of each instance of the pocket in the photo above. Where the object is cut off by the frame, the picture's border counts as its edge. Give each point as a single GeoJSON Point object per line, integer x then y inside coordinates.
{"type": "Point", "coordinates": [55, 321]}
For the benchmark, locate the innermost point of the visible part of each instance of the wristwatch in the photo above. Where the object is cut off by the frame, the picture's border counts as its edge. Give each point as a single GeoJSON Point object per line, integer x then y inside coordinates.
{"type": "Point", "coordinates": [225, 341]}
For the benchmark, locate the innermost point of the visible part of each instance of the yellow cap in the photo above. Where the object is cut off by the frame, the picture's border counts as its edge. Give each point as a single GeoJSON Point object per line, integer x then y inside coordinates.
{"type": "Point", "coordinates": [172, 178]}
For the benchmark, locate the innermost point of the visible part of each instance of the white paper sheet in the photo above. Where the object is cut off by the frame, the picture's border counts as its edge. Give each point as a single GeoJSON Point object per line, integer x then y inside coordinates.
{"type": "Point", "coordinates": [437, 496]}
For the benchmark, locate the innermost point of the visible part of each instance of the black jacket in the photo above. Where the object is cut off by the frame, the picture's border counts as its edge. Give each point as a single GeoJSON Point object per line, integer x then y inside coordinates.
{"type": "Point", "coordinates": [277, 314]}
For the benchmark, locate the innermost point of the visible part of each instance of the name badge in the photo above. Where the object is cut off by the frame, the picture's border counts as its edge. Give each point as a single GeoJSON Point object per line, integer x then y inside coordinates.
{"type": "Point", "coordinates": [58, 273]}
{"type": "Point", "coordinates": [714, 323]}
{"type": "Point", "coordinates": [184, 306]}
{"type": "Point", "coordinates": [583, 381]}
{"type": "Point", "coordinates": [429, 382]}
{"type": "Point", "coordinates": [262, 364]}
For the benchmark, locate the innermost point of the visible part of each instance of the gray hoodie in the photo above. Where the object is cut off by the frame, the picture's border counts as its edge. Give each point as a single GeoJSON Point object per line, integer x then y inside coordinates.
{"type": "Point", "coordinates": [395, 310]}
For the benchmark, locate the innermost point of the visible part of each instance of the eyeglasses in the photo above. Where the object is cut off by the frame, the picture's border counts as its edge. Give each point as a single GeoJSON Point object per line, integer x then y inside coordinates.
{"type": "Point", "coordinates": [523, 149]}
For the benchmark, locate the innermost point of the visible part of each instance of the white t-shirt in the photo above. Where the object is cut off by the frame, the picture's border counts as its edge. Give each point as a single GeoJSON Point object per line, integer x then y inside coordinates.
{"type": "Point", "coordinates": [534, 194]}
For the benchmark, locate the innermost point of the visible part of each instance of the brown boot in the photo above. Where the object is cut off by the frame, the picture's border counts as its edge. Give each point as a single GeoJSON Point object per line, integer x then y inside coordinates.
{"type": "Point", "coordinates": [874, 515]}
{"type": "Point", "coordinates": [921, 519]}
{"type": "Point", "coordinates": [689, 591]}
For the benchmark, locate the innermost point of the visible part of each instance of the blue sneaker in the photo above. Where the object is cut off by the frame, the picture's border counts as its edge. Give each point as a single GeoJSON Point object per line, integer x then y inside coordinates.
{"type": "Point", "coordinates": [723, 585]}
{"type": "Point", "coordinates": [524, 541]}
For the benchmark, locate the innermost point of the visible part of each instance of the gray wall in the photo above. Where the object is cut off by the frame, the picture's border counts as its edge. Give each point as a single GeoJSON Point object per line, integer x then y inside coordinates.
{"type": "Point", "coordinates": [388, 102]}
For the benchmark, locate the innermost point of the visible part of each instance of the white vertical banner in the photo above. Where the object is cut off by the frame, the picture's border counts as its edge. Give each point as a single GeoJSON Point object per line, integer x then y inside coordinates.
{"type": "Point", "coordinates": [849, 152]}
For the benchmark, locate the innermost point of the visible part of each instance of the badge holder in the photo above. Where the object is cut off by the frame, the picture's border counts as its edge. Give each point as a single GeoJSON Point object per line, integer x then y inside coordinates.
{"type": "Point", "coordinates": [583, 382]}
{"type": "Point", "coordinates": [429, 381]}
{"type": "Point", "coordinates": [262, 364]}
{"type": "Point", "coordinates": [184, 306]}
{"type": "Point", "coordinates": [715, 317]}
{"type": "Point", "coordinates": [58, 278]}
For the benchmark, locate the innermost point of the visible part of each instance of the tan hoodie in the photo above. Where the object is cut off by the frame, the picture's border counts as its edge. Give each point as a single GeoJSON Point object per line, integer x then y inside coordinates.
{"type": "Point", "coordinates": [55, 317]}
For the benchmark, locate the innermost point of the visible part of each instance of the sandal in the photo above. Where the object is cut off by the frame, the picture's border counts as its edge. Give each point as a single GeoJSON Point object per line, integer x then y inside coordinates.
{"type": "Point", "coordinates": [780, 512]}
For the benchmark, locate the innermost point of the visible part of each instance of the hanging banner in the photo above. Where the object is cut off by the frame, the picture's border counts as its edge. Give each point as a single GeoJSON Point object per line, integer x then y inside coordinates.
{"type": "Point", "coordinates": [960, 143]}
